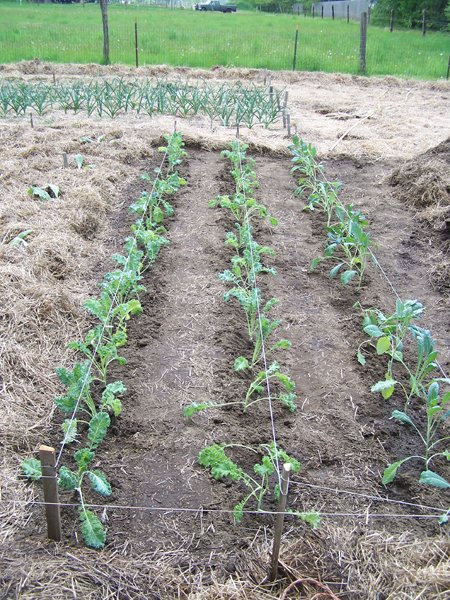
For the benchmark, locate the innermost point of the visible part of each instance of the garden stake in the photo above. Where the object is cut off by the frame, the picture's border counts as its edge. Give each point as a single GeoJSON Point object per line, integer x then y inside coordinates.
{"type": "Point", "coordinates": [50, 484]}
{"type": "Point", "coordinates": [65, 161]}
{"type": "Point", "coordinates": [279, 520]}
{"type": "Point", "coordinates": [31, 121]}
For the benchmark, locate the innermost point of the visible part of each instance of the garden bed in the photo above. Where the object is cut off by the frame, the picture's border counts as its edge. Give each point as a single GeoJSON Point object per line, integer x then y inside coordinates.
{"type": "Point", "coordinates": [181, 350]}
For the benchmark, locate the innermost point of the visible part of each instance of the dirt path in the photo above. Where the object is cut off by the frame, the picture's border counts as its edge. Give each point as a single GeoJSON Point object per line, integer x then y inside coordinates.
{"type": "Point", "coordinates": [171, 359]}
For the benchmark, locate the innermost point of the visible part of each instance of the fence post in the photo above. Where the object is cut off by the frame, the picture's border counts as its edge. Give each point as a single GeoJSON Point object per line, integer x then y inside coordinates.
{"type": "Point", "coordinates": [322, 10]}
{"type": "Point", "coordinates": [332, 11]}
{"type": "Point", "coordinates": [368, 14]}
{"type": "Point", "coordinates": [348, 13]}
{"type": "Point", "coordinates": [448, 68]}
{"type": "Point", "coordinates": [294, 62]}
{"type": "Point", "coordinates": [362, 44]}
{"type": "Point", "coordinates": [50, 484]}
{"type": "Point", "coordinates": [391, 22]}
{"type": "Point", "coordinates": [314, 8]}
{"type": "Point", "coordinates": [136, 46]}
{"type": "Point", "coordinates": [424, 22]}
{"type": "Point", "coordinates": [279, 519]}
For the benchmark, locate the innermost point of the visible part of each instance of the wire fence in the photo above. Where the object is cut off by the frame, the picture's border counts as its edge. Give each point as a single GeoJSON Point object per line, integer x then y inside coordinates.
{"type": "Point", "coordinates": [323, 45]}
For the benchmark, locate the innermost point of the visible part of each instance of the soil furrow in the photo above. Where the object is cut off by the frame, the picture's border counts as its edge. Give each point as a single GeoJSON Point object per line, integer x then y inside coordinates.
{"type": "Point", "coordinates": [171, 362]}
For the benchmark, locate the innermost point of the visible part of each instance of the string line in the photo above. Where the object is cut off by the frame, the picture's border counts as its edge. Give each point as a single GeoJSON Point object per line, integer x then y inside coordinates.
{"type": "Point", "coordinates": [202, 509]}
{"type": "Point", "coordinates": [367, 496]}
{"type": "Point", "coordinates": [263, 347]}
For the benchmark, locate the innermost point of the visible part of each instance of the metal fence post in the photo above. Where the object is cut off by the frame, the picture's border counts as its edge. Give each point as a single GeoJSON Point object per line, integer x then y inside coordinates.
{"type": "Point", "coordinates": [362, 44]}
{"type": "Point", "coordinates": [294, 62]}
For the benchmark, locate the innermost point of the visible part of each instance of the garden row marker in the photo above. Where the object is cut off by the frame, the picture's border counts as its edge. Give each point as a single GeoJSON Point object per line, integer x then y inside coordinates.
{"type": "Point", "coordinates": [31, 120]}
{"type": "Point", "coordinates": [65, 161]}
{"type": "Point", "coordinates": [51, 497]}
{"type": "Point", "coordinates": [279, 520]}
{"type": "Point", "coordinates": [197, 510]}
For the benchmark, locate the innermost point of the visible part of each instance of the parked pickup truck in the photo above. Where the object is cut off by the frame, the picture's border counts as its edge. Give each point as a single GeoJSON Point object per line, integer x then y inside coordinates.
{"type": "Point", "coordinates": [215, 5]}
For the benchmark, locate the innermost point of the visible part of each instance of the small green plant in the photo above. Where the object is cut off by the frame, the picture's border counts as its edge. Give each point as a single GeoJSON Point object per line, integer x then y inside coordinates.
{"type": "Point", "coordinates": [79, 161]}
{"type": "Point", "coordinates": [347, 245]}
{"type": "Point", "coordinates": [20, 239]}
{"type": "Point", "coordinates": [49, 193]}
{"type": "Point", "coordinates": [437, 412]}
{"type": "Point", "coordinates": [260, 483]}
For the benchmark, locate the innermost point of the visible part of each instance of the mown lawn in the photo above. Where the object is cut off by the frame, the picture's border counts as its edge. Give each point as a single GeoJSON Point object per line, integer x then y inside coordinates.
{"type": "Point", "coordinates": [73, 33]}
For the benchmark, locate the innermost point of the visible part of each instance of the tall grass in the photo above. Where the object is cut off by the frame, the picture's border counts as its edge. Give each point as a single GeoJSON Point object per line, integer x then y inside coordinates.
{"type": "Point", "coordinates": [73, 33]}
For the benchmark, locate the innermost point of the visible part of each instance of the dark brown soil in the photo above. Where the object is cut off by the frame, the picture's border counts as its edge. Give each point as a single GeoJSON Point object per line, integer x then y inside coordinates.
{"type": "Point", "coordinates": [181, 350]}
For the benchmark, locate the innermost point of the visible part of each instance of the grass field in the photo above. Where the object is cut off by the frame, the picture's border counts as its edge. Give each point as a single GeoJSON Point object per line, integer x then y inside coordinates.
{"type": "Point", "coordinates": [73, 33]}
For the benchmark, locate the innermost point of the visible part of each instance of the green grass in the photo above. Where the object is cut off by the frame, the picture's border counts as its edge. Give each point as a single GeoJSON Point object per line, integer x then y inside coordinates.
{"type": "Point", "coordinates": [73, 33]}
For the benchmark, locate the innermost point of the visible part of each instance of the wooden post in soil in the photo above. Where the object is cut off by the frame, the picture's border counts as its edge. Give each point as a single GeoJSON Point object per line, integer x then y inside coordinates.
{"type": "Point", "coordinates": [322, 11]}
{"type": "Point", "coordinates": [332, 11]}
{"type": "Point", "coordinates": [424, 22]}
{"type": "Point", "coordinates": [348, 13]}
{"type": "Point", "coordinates": [448, 68]}
{"type": "Point", "coordinates": [50, 483]}
{"type": "Point", "coordinates": [391, 22]}
{"type": "Point", "coordinates": [279, 520]}
{"type": "Point", "coordinates": [288, 122]}
{"type": "Point", "coordinates": [65, 160]}
{"type": "Point", "coordinates": [284, 109]}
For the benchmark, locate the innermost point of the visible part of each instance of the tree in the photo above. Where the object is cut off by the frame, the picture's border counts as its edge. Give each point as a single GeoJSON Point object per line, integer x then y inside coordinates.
{"type": "Point", "coordinates": [104, 9]}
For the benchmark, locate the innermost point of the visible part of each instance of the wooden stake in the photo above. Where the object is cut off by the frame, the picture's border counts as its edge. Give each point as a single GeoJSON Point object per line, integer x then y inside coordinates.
{"type": "Point", "coordinates": [288, 122]}
{"type": "Point", "coordinates": [448, 68]}
{"type": "Point", "coordinates": [65, 161]}
{"type": "Point", "coordinates": [31, 120]}
{"type": "Point", "coordinates": [348, 13]}
{"type": "Point", "coordinates": [50, 482]}
{"type": "Point", "coordinates": [237, 130]}
{"type": "Point", "coordinates": [391, 22]}
{"type": "Point", "coordinates": [54, 78]}
{"type": "Point", "coordinates": [332, 11]}
{"type": "Point", "coordinates": [424, 22]}
{"type": "Point", "coordinates": [279, 520]}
